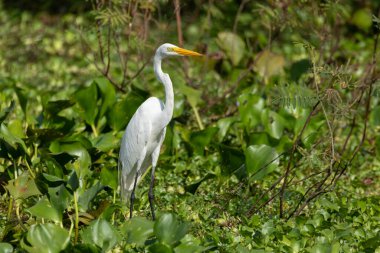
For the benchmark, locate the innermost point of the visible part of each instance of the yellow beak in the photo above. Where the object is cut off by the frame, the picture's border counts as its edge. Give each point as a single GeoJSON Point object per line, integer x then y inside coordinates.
{"type": "Point", "coordinates": [186, 52]}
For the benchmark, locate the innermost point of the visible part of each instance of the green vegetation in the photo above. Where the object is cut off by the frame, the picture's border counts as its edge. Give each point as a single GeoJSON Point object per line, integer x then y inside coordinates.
{"type": "Point", "coordinates": [274, 145]}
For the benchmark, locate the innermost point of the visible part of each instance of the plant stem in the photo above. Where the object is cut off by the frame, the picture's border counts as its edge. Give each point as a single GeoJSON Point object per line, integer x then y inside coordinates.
{"type": "Point", "coordinates": [76, 217]}
{"type": "Point", "coordinates": [199, 121]}
{"type": "Point", "coordinates": [94, 130]}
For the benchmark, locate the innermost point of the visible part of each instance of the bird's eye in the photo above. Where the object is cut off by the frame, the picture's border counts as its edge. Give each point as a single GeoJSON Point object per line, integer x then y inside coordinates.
{"type": "Point", "coordinates": [170, 49]}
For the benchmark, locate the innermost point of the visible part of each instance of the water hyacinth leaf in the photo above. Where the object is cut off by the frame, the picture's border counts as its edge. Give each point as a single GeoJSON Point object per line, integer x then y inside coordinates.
{"type": "Point", "coordinates": [54, 107]}
{"type": "Point", "coordinates": [200, 139]}
{"type": "Point", "coordinates": [7, 111]}
{"type": "Point", "coordinates": [107, 95]}
{"type": "Point", "coordinates": [101, 233]}
{"type": "Point", "coordinates": [193, 96]}
{"type": "Point", "coordinates": [299, 68]}
{"type": "Point", "coordinates": [11, 139]}
{"type": "Point", "coordinates": [109, 178]}
{"type": "Point", "coordinates": [6, 247]}
{"type": "Point", "coordinates": [259, 160]}
{"type": "Point", "coordinates": [87, 101]}
{"type": "Point", "coordinates": [59, 198]}
{"type": "Point", "coordinates": [232, 160]}
{"type": "Point", "coordinates": [169, 229]}
{"type": "Point", "coordinates": [138, 230]}
{"type": "Point", "coordinates": [269, 64]}
{"type": "Point", "coordinates": [233, 45]}
{"type": "Point", "coordinates": [22, 187]}
{"type": "Point", "coordinates": [22, 98]}
{"type": "Point", "coordinates": [189, 244]}
{"type": "Point", "coordinates": [362, 18]}
{"type": "Point", "coordinates": [106, 142]}
{"type": "Point", "coordinates": [223, 126]}
{"type": "Point", "coordinates": [83, 161]}
{"type": "Point", "coordinates": [86, 197]}
{"type": "Point", "coordinates": [160, 248]}
{"type": "Point", "coordinates": [43, 209]}
{"type": "Point", "coordinates": [46, 238]}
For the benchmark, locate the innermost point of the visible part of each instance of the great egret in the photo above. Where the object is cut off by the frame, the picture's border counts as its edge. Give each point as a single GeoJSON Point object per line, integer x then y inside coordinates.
{"type": "Point", "coordinates": [143, 137]}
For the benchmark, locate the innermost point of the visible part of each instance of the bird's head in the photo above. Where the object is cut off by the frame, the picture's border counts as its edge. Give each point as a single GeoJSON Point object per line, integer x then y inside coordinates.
{"type": "Point", "coordinates": [167, 49]}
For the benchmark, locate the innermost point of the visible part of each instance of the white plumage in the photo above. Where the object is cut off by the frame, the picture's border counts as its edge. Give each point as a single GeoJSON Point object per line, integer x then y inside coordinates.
{"type": "Point", "coordinates": [143, 137]}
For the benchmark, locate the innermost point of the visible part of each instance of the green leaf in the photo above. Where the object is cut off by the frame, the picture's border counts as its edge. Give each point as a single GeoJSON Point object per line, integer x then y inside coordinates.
{"type": "Point", "coordinates": [22, 187]}
{"type": "Point", "coordinates": [87, 101]}
{"type": "Point", "coordinates": [200, 139]}
{"type": "Point", "coordinates": [232, 160]}
{"type": "Point", "coordinates": [54, 107]}
{"type": "Point", "coordinates": [363, 19]}
{"type": "Point", "coordinates": [193, 96]}
{"type": "Point", "coordinates": [160, 248]}
{"type": "Point", "coordinates": [299, 68]}
{"type": "Point", "coordinates": [47, 238]}
{"type": "Point", "coordinates": [138, 230]}
{"type": "Point", "coordinates": [7, 111]}
{"type": "Point", "coordinates": [86, 197]}
{"type": "Point", "coordinates": [105, 142]}
{"type": "Point", "coordinates": [109, 177]}
{"type": "Point", "coordinates": [269, 64]}
{"type": "Point", "coordinates": [258, 160]}
{"type": "Point", "coordinates": [233, 45]}
{"type": "Point", "coordinates": [82, 164]}
{"type": "Point", "coordinates": [100, 233]}
{"type": "Point", "coordinates": [108, 94]}
{"type": "Point", "coordinates": [223, 126]}
{"type": "Point", "coordinates": [169, 230]}
{"type": "Point", "coordinates": [123, 111]}
{"type": "Point", "coordinates": [60, 198]}
{"type": "Point", "coordinates": [43, 209]}
{"type": "Point", "coordinates": [6, 247]}
{"type": "Point", "coordinates": [22, 98]}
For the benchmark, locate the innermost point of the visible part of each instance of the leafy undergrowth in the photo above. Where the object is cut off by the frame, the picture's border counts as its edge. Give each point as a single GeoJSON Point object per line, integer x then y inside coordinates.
{"type": "Point", "coordinates": [273, 146]}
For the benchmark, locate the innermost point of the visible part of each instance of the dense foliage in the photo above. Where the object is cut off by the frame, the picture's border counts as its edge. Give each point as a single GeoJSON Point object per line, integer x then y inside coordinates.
{"type": "Point", "coordinates": [274, 145]}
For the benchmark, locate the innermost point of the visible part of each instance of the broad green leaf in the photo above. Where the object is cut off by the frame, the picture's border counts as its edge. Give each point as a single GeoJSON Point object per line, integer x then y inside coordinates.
{"type": "Point", "coordinates": [106, 142]}
{"type": "Point", "coordinates": [100, 233]}
{"type": "Point", "coordinates": [200, 139]}
{"type": "Point", "coordinates": [47, 238]}
{"type": "Point", "coordinates": [22, 98]}
{"type": "Point", "coordinates": [233, 45]}
{"type": "Point", "coordinates": [60, 198]}
{"type": "Point", "coordinates": [259, 160]}
{"type": "Point", "coordinates": [189, 244]}
{"type": "Point", "coordinates": [138, 230]}
{"type": "Point", "coordinates": [375, 116]}
{"type": "Point", "coordinates": [87, 100]}
{"type": "Point", "coordinates": [11, 139]}
{"type": "Point", "coordinates": [269, 64]}
{"type": "Point", "coordinates": [250, 106]}
{"type": "Point", "coordinates": [299, 68]}
{"type": "Point", "coordinates": [6, 247]}
{"type": "Point", "coordinates": [82, 164]}
{"type": "Point", "coordinates": [193, 96]}
{"type": "Point", "coordinates": [108, 95]}
{"type": "Point", "coordinates": [7, 111]}
{"type": "Point", "coordinates": [232, 161]}
{"type": "Point", "coordinates": [86, 197]}
{"type": "Point", "coordinates": [169, 229]}
{"type": "Point", "coordinates": [123, 111]}
{"type": "Point", "coordinates": [160, 248]}
{"type": "Point", "coordinates": [43, 209]}
{"type": "Point", "coordinates": [109, 177]}
{"type": "Point", "coordinates": [22, 187]}
{"type": "Point", "coordinates": [362, 18]}
{"type": "Point", "coordinates": [54, 107]}
{"type": "Point", "coordinates": [223, 126]}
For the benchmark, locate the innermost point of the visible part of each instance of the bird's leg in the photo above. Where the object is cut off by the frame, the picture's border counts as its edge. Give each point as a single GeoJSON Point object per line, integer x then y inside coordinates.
{"type": "Point", "coordinates": [151, 194]}
{"type": "Point", "coordinates": [133, 196]}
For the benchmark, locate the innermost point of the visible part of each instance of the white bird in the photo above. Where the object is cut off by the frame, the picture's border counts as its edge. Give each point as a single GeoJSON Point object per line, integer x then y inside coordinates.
{"type": "Point", "coordinates": [143, 137]}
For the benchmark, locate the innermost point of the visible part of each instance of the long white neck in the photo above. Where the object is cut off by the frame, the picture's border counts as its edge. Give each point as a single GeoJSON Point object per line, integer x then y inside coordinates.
{"type": "Point", "coordinates": [164, 78]}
